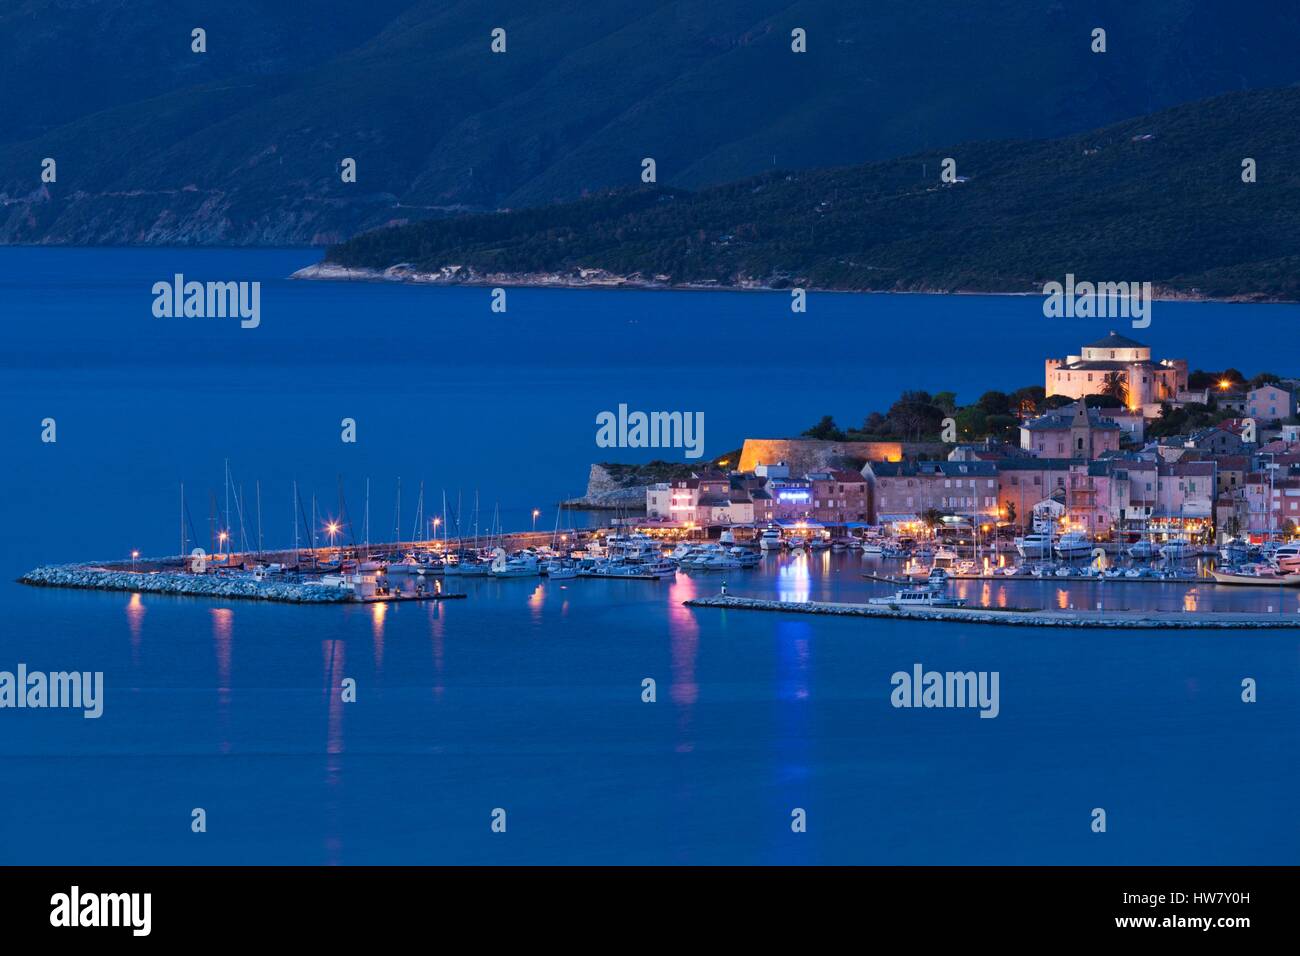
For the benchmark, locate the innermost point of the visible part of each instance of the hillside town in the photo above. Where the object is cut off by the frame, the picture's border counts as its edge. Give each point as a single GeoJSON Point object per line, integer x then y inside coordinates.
{"type": "Point", "coordinates": [1090, 470]}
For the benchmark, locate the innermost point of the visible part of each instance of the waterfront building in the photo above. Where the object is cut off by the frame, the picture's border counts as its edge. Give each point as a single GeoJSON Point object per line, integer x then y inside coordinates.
{"type": "Point", "coordinates": [791, 498]}
{"type": "Point", "coordinates": [1074, 431]}
{"type": "Point", "coordinates": [1270, 505]}
{"type": "Point", "coordinates": [1023, 482]}
{"type": "Point", "coordinates": [839, 496]}
{"type": "Point", "coordinates": [914, 487]}
{"type": "Point", "coordinates": [1185, 495]}
{"type": "Point", "coordinates": [1147, 383]}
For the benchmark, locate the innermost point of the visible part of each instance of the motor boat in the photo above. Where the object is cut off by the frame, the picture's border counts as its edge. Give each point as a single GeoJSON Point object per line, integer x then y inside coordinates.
{"type": "Point", "coordinates": [1073, 544]}
{"type": "Point", "coordinates": [1035, 545]}
{"type": "Point", "coordinates": [770, 539]}
{"type": "Point", "coordinates": [796, 543]}
{"type": "Point", "coordinates": [520, 566]}
{"type": "Point", "coordinates": [1176, 549]}
{"type": "Point", "coordinates": [931, 594]}
{"type": "Point", "coordinates": [1142, 550]}
{"type": "Point", "coordinates": [1287, 557]}
{"type": "Point", "coordinates": [561, 571]}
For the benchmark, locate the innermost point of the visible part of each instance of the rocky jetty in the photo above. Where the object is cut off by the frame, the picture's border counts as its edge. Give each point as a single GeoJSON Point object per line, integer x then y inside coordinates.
{"type": "Point", "coordinates": [1152, 619]}
{"type": "Point", "coordinates": [198, 585]}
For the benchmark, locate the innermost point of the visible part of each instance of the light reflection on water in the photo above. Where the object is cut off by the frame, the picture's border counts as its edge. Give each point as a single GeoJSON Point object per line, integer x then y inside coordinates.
{"type": "Point", "coordinates": [839, 577]}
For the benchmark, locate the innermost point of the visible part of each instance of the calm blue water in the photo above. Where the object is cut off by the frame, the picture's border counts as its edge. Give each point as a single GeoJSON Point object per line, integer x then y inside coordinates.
{"type": "Point", "coordinates": [526, 695]}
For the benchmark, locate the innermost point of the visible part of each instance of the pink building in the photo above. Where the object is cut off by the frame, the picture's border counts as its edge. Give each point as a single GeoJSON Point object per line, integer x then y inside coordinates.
{"type": "Point", "coordinates": [1147, 383]}
{"type": "Point", "coordinates": [1269, 403]}
{"type": "Point", "coordinates": [1074, 431]}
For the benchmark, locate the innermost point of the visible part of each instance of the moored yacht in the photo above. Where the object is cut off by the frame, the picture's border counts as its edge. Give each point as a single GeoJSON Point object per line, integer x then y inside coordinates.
{"type": "Point", "coordinates": [1073, 544]}
{"type": "Point", "coordinates": [1038, 544]}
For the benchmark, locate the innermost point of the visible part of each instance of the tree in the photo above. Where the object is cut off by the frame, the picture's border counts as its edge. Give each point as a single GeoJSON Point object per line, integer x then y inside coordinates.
{"type": "Point", "coordinates": [946, 400]}
{"type": "Point", "coordinates": [932, 517]}
{"type": "Point", "coordinates": [825, 430]}
{"type": "Point", "coordinates": [1010, 509]}
{"type": "Point", "coordinates": [915, 414]}
{"type": "Point", "coordinates": [995, 403]}
{"type": "Point", "coordinates": [1264, 378]}
{"type": "Point", "coordinates": [1115, 385]}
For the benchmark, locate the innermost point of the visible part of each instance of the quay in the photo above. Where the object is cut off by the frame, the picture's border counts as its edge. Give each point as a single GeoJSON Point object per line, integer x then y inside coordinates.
{"type": "Point", "coordinates": [955, 576]}
{"type": "Point", "coordinates": [1151, 620]}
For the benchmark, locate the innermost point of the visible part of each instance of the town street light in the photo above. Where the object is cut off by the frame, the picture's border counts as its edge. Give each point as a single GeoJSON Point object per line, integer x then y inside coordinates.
{"type": "Point", "coordinates": [332, 528]}
{"type": "Point", "coordinates": [535, 514]}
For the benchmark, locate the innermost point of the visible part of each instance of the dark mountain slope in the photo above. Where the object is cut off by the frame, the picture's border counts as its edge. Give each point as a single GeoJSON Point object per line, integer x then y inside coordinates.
{"type": "Point", "coordinates": [242, 145]}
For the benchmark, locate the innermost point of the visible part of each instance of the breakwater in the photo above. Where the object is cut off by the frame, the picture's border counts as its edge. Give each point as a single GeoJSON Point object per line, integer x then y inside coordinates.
{"type": "Point", "coordinates": [197, 585]}
{"type": "Point", "coordinates": [1162, 620]}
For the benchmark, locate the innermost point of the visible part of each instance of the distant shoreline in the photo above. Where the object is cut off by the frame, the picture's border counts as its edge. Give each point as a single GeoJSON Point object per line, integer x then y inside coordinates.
{"type": "Point", "coordinates": [325, 271]}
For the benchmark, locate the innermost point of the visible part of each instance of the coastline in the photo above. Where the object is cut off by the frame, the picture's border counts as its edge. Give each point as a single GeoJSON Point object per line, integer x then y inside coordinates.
{"type": "Point", "coordinates": [325, 271]}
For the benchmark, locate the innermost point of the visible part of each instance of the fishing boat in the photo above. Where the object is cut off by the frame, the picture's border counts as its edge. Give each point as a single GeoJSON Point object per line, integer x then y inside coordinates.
{"type": "Point", "coordinates": [1258, 575]}
{"type": "Point", "coordinates": [1073, 544]}
{"type": "Point", "coordinates": [1235, 551]}
{"type": "Point", "coordinates": [819, 543]}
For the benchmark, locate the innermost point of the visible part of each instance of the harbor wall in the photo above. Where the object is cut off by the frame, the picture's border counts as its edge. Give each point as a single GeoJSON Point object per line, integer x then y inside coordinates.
{"type": "Point", "coordinates": [198, 585]}
{"type": "Point", "coordinates": [807, 454]}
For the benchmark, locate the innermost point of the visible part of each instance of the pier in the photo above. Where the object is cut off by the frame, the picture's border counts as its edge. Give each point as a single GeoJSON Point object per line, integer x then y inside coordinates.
{"type": "Point", "coordinates": [1148, 620]}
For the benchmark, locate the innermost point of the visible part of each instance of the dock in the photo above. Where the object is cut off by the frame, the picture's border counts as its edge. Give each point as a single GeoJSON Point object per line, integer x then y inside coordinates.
{"type": "Point", "coordinates": [1146, 620]}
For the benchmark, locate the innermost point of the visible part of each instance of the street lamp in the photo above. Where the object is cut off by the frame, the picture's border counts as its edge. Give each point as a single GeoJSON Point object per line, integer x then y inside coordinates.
{"type": "Point", "coordinates": [332, 528]}
{"type": "Point", "coordinates": [535, 514]}
{"type": "Point", "coordinates": [134, 555]}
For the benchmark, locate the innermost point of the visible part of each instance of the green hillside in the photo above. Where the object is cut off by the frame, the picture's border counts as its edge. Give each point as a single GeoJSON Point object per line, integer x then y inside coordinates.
{"type": "Point", "coordinates": [1159, 199]}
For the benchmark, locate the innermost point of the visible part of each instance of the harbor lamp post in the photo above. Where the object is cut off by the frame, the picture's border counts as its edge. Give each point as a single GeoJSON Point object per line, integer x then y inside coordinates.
{"type": "Point", "coordinates": [221, 538]}
{"type": "Point", "coordinates": [134, 555]}
{"type": "Point", "coordinates": [535, 514]}
{"type": "Point", "coordinates": [332, 528]}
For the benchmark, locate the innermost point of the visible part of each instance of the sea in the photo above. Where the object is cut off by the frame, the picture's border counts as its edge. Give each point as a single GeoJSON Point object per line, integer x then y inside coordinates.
{"type": "Point", "coordinates": [584, 721]}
